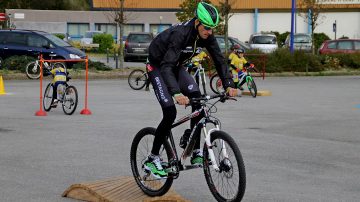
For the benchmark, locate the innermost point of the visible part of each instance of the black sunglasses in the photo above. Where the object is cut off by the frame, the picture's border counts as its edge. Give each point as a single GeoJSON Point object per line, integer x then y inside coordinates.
{"type": "Point", "coordinates": [206, 27]}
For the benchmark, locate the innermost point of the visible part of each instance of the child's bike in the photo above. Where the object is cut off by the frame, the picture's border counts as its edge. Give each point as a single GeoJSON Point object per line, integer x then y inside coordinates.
{"type": "Point", "coordinates": [217, 87]}
{"type": "Point", "coordinates": [67, 96]}
{"type": "Point", "coordinates": [223, 165]}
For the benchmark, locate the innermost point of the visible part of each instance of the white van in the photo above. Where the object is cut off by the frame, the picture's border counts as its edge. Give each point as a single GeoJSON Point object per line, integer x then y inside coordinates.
{"type": "Point", "coordinates": [264, 42]}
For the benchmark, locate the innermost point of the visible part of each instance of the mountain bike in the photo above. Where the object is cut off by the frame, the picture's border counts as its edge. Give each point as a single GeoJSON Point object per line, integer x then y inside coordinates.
{"type": "Point", "coordinates": [138, 79]}
{"type": "Point", "coordinates": [33, 68]}
{"type": "Point", "coordinates": [216, 84]}
{"type": "Point", "coordinates": [223, 164]}
{"type": "Point", "coordinates": [67, 96]}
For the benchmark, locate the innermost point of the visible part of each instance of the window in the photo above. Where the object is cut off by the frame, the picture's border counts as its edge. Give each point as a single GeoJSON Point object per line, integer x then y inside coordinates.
{"type": "Point", "coordinates": [139, 38]}
{"type": "Point", "coordinates": [16, 39]}
{"type": "Point", "coordinates": [56, 40]}
{"type": "Point", "coordinates": [302, 39]}
{"type": "Point", "coordinates": [77, 30]}
{"type": "Point", "coordinates": [221, 42]}
{"type": "Point", "coordinates": [133, 28]}
{"type": "Point", "coordinates": [2, 37]}
{"type": "Point", "coordinates": [107, 28]}
{"type": "Point", "coordinates": [357, 45]}
{"type": "Point", "coordinates": [37, 41]}
{"type": "Point", "coordinates": [157, 28]}
{"type": "Point", "coordinates": [332, 45]}
{"type": "Point", "coordinates": [345, 45]}
{"type": "Point", "coordinates": [264, 40]}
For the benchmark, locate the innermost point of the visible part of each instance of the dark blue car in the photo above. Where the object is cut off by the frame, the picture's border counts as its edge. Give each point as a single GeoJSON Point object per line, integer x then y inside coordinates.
{"type": "Point", "coordinates": [31, 43]}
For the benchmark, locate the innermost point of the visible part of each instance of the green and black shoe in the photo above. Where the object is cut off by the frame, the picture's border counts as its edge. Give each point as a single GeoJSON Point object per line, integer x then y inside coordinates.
{"type": "Point", "coordinates": [197, 158]}
{"type": "Point", "coordinates": [153, 165]}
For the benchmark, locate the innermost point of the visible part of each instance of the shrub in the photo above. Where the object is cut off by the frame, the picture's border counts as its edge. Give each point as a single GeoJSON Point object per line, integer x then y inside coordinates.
{"type": "Point", "coordinates": [319, 38]}
{"type": "Point", "coordinates": [337, 61]}
{"type": "Point", "coordinates": [17, 62]}
{"type": "Point", "coordinates": [105, 41]}
{"type": "Point", "coordinates": [61, 36]}
{"type": "Point", "coordinates": [92, 65]}
{"type": "Point", "coordinates": [282, 60]}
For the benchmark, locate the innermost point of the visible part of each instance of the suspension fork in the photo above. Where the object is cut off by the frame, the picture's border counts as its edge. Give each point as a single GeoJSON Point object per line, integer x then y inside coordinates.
{"type": "Point", "coordinates": [202, 77]}
{"type": "Point", "coordinates": [209, 146]}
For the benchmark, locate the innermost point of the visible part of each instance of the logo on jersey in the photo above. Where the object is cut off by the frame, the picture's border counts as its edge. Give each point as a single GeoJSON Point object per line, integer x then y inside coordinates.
{"type": "Point", "coordinates": [149, 68]}
{"type": "Point", "coordinates": [190, 87]}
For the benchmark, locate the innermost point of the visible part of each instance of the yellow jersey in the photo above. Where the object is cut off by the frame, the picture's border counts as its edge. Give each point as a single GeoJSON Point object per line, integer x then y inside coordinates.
{"type": "Point", "coordinates": [59, 74]}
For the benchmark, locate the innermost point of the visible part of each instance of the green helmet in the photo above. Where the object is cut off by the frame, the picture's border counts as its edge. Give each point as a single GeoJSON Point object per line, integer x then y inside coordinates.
{"type": "Point", "coordinates": [207, 14]}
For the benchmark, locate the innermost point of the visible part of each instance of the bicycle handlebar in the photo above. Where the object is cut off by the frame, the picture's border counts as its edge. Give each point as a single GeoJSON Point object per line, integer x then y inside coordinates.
{"type": "Point", "coordinates": [223, 97]}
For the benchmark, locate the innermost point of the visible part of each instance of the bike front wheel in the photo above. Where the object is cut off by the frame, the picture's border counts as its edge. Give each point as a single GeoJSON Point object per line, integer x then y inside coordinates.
{"type": "Point", "coordinates": [70, 100]}
{"type": "Point", "coordinates": [32, 70]}
{"type": "Point", "coordinates": [229, 182]}
{"type": "Point", "coordinates": [137, 79]}
{"type": "Point", "coordinates": [140, 149]}
{"type": "Point", "coordinates": [48, 97]}
{"type": "Point", "coordinates": [252, 87]}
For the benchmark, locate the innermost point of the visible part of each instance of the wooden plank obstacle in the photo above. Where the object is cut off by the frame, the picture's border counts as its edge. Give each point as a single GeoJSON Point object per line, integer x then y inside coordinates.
{"type": "Point", "coordinates": [116, 189]}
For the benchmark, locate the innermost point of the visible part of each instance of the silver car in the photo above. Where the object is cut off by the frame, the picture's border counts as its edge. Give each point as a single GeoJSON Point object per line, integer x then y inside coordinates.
{"type": "Point", "coordinates": [302, 42]}
{"type": "Point", "coordinates": [266, 43]}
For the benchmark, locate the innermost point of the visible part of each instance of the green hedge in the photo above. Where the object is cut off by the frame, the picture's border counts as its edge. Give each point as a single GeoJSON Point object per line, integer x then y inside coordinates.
{"type": "Point", "coordinates": [17, 63]}
{"type": "Point", "coordinates": [92, 65]}
{"type": "Point", "coordinates": [105, 41]}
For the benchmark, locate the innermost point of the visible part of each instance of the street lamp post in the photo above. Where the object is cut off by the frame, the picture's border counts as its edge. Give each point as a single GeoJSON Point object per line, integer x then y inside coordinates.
{"type": "Point", "coordinates": [160, 26]}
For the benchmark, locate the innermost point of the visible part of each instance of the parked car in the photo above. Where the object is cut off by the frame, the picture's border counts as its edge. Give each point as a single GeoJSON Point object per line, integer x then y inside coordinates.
{"type": "Point", "coordinates": [88, 37]}
{"type": "Point", "coordinates": [231, 41]}
{"type": "Point", "coordinates": [137, 45]}
{"type": "Point", "coordinates": [302, 42]}
{"type": "Point", "coordinates": [32, 43]}
{"type": "Point", "coordinates": [264, 42]}
{"type": "Point", "coordinates": [340, 46]}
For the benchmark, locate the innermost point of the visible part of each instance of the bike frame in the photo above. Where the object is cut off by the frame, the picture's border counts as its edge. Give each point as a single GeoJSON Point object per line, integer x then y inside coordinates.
{"type": "Point", "coordinates": [202, 124]}
{"type": "Point", "coordinates": [199, 76]}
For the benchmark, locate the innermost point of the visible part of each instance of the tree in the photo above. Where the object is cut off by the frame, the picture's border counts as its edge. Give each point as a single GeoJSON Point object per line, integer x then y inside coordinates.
{"type": "Point", "coordinates": [225, 9]}
{"type": "Point", "coordinates": [313, 18]}
{"type": "Point", "coordinates": [119, 17]}
{"type": "Point", "coordinates": [187, 12]}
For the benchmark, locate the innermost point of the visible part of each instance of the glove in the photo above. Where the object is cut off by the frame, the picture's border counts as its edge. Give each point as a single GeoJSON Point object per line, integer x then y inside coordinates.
{"type": "Point", "coordinates": [238, 70]}
{"type": "Point", "coordinates": [252, 65]}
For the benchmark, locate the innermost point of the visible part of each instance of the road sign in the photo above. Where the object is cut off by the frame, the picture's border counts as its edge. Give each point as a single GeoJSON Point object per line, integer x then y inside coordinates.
{"type": "Point", "coordinates": [2, 17]}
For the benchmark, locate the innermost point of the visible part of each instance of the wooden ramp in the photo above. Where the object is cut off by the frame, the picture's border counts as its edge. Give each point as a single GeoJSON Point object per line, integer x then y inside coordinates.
{"type": "Point", "coordinates": [116, 189]}
{"type": "Point", "coordinates": [259, 93]}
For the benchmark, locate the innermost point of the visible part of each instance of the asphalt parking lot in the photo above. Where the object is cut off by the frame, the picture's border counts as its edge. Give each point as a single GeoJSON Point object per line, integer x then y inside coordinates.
{"type": "Point", "coordinates": [300, 144]}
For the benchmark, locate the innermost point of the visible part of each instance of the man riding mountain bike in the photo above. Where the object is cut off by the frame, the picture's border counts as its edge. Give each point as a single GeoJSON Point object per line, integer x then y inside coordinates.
{"type": "Point", "coordinates": [167, 54]}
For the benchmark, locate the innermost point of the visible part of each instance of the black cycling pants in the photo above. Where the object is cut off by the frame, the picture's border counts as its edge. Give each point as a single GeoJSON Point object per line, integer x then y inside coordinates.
{"type": "Point", "coordinates": [188, 87]}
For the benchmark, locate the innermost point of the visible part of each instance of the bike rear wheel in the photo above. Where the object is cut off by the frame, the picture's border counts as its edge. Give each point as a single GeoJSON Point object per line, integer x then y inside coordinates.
{"type": "Point", "coordinates": [32, 70]}
{"type": "Point", "coordinates": [70, 100]}
{"type": "Point", "coordinates": [140, 149]}
{"type": "Point", "coordinates": [252, 87]}
{"type": "Point", "coordinates": [137, 79]}
{"type": "Point", "coordinates": [229, 183]}
{"type": "Point", "coordinates": [48, 97]}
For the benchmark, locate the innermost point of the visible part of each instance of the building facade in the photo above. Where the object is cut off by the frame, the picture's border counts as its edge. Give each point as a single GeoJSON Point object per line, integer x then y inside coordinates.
{"type": "Point", "coordinates": [248, 17]}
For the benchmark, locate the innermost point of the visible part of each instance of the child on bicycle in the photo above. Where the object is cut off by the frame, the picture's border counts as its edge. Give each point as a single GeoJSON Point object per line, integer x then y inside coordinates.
{"type": "Point", "coordinates": [60, 77]}
{"type": "Point", "coordinates": [237, 64]}
{"type": "Point", "coordinates": [196, 60]}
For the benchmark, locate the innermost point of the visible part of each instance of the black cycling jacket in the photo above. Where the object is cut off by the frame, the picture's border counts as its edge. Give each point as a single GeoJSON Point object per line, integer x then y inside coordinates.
{"type": "Point", "coordinates": [172, 47]}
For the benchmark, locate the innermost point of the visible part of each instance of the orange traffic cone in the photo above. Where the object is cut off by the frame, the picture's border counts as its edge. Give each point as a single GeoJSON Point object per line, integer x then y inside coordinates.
{"type": "Point", "coordinates": [2, 88]}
